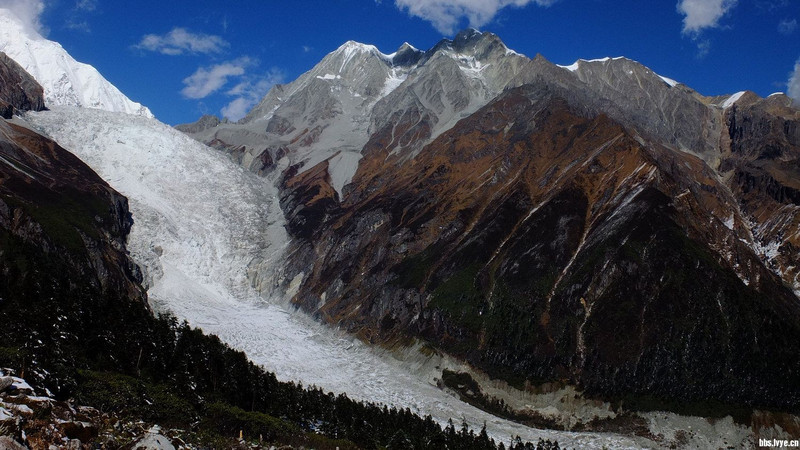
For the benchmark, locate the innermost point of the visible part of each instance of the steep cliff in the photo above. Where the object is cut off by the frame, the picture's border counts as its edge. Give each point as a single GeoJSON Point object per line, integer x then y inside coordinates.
{"type": "Point", "coordinates": [18, 90]}
{"type": "Point", "coordinates": [62, 252]}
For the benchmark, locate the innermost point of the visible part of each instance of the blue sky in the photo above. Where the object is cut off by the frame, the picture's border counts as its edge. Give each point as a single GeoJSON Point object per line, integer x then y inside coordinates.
{"type": "Point", "coordinates": [184, 58]}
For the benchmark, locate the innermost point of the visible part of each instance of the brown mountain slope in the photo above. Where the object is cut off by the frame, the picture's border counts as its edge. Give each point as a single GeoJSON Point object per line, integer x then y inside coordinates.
{"type": "Point", "coordinates": [51, 201]}
{"type": "Point", "coordinates": [543, 243]}
{"type": "Point", "coordinates": [763, 169]}
{"type": "Point", "coordinates": [18, 90]}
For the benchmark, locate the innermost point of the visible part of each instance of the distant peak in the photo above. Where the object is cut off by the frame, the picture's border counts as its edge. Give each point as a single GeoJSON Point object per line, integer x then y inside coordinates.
{"type": "Point", "coordinates": [739, 98]}
{"type": "Point", "coordinates": [65, 81]}
{"type": "Point", "coordinates": [406, 55]}
{"type": "Point", "coordinates": [357, 46]}
{"type": "Point", "coordinates": [13, 24]}
{"type": "Point", "coordinates": [473, 42]}
{"type": "Point", "coordinates": [574, 66]}
{"type": "Point", "coordinates": [407, 47]}
{"type": "Point", "coordinates": [467, 34]}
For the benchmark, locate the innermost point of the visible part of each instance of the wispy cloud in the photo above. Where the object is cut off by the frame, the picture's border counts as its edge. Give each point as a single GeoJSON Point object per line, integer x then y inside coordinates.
{"type": "Point", "coordinates": [78, 25]}
{"type": "Point", "coordinates": [702, 14]}
{"type": "Point", "coordinates": [703, 48]}
{"type": "Point", "coordinates": [77, 17]}
{"type": "Point", "coordinates": [793, 86]}
{"type": "Point", "coordinates": [446, 15]}
{"type": "Point", "coordinates": [29, 13]}
{"type": "Point", "coordinates": [787, 26]}
{"type": "Point", "coordinates": [248, 92]}
{"type": "Point", "coordinates": [207, 80]}
{"type": "Point", "coordinates": [86, 5]}
{"type": "Point", "coordinates": [181, 40]}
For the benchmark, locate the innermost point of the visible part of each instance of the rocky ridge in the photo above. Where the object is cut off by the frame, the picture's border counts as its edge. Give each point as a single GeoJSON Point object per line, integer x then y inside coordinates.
{"type": "Point", "coordinates": [53, 201]}
{"type": "Point", "coordinates": [329, 112]}
{"type": "Point", "coordinates": [18, 90]}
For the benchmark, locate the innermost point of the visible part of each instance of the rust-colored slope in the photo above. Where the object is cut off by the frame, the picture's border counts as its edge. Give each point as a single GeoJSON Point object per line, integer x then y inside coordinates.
{"type": "Point", "coordinates": [52, 201]}
{"type": "Point", "coordinates": [540, 244]}
{"type": "Point", "coordinates": [763, 169]}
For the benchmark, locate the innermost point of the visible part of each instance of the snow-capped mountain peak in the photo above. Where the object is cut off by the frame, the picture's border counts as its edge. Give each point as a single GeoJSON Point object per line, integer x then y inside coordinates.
{"type": "Point", "coordinates": [65, 80]}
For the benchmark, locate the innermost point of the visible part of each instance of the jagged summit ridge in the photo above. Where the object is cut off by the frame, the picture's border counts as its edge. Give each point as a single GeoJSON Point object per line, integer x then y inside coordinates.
{"type": "Point", "coordinates": [329, 112]}
{"type": "Point", "coordinates": [65, 80]}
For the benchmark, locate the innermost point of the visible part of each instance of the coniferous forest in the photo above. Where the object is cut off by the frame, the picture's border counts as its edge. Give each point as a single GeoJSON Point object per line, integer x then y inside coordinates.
{"type": "Point", "coordinates": [63, 334]}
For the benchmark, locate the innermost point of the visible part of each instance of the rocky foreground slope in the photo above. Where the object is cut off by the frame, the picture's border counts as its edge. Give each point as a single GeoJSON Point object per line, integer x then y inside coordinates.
{"type": "Point", "coordinates": [595, 224]}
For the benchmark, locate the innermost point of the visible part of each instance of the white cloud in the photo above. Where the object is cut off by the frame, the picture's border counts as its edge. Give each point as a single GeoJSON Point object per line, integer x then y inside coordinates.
{"type": "Point", "coordinates": [446, 15]}
{"type": "Point", "coordinates": [787, 26]}
{"type": "Point", "coordinates": [76, 18]}
{"type": "Point", "coordinates": [29, 13]}
{"type": "Point", "coordinates": [78, 26]}
{"type": "Point", "coordinates": [181, 40]}
{"type": "Point", "coordinates": [703, 48]}
{"type": "Point", "coordinates": [86, 5]}
{"type": "Point", "coordinates": [236, 109]}
{"type": "Point", "coordinates": [702, 14]}
{"type": "Point", "coordinates": [793, 86]}
{"type": "Point", "coordinates": [249, 92]}
{"type": "Point", "coordinates": [207, 80]}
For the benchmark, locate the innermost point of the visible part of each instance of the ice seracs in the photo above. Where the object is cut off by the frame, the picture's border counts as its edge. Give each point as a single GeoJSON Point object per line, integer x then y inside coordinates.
{"type": "Point", "coordinates": [65, 80]}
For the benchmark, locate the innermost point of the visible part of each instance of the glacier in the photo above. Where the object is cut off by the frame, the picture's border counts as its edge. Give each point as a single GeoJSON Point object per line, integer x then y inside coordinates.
{"type": "Point", "coordinates": [207, 233]}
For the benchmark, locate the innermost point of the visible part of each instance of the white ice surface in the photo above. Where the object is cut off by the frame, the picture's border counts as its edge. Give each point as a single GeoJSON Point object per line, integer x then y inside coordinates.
{"type": "Point", "coordinates": [65, 81]}
{"type": "Point", "coordinates": [202, 223]}
{"type": "Point", "coordinates": [732, 99]}
{"type": "Point", "coordinates": [393, 81]}
{"type": "Point", "coordinates": [669, 81]}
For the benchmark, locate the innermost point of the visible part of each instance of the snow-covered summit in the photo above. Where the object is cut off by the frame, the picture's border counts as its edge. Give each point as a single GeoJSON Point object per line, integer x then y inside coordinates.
{"type": "Point", "coordinates": [629, 67]}
{"type": "Point", "coordinates": [576, 65]}
{"type": "Point", "coordinates": [65, 80]}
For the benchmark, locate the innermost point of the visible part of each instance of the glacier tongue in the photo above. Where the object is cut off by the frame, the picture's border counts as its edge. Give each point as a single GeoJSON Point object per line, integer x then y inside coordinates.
{"type": "Point", "coordinates": [65, 81]}
{"type": "Point", "coordinates": [204, 229]}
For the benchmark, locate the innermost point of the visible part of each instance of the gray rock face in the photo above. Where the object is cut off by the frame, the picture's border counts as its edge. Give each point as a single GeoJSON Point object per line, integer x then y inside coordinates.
{"type": "Point", "coordinates": [18, 90]}
{"type": "Point", "coordinates": [674, 114]}
{"type": "Point", "coordinates": [8, 443]}
{"type": "Point", "coordinates": [453, 80]}
{"type": "Point", "coordinates": [329, 112]}
{"type": "Point", "coordinates": [5, 383]}
{"type": "Point", "coordinates": [322, 115]}
{"type": "Point", "coordinates": [203, 123]}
